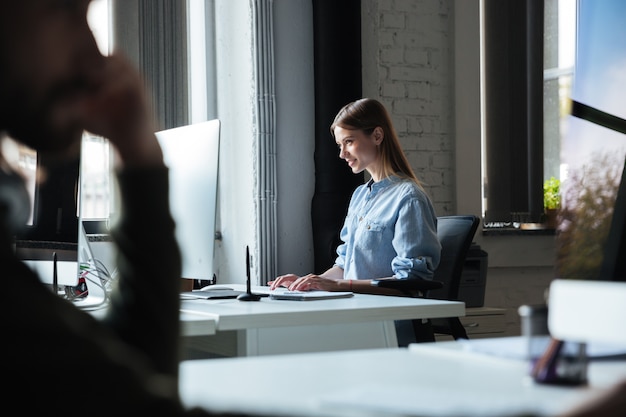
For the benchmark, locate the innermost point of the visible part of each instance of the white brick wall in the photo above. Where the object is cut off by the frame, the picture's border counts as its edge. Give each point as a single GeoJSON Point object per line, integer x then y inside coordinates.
{"type": "Point", "coordinates": [511, 287]}
{"type": "Point", "coordinates": [412, 55]}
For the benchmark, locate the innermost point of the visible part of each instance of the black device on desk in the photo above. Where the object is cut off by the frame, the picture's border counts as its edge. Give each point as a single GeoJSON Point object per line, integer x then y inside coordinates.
{"type": "Point", "coordinates": [248, 296]}
{"type": "Point", "coordinates": [214, 292]}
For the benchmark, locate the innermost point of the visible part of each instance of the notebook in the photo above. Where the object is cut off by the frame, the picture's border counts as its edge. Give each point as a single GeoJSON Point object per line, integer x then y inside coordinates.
{"type": "Point", "coordinates": [308, 295]}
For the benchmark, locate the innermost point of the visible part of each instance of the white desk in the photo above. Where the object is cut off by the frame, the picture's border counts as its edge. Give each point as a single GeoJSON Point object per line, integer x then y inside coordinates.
{"type": "Point", "coordinates": [433, 379]}
{"type": "Point", "coordinates": [197, 325]}
{"type": "Point", "coordinates": [191, 324]}
{"type": "Point", "coordinates": [276, 327]}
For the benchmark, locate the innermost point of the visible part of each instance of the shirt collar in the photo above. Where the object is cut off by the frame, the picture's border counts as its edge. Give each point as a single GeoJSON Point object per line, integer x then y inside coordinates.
{"type": "Point", "coordinates": [382, 184]}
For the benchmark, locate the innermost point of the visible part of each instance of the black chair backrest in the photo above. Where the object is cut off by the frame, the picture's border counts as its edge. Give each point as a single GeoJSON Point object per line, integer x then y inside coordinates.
{"type": "Point", "coordinates": [456, 234]}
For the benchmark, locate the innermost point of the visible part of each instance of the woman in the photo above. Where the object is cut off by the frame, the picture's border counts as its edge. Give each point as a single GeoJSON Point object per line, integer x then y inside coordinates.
{"type": "Point", "coordinates": [391, 227]}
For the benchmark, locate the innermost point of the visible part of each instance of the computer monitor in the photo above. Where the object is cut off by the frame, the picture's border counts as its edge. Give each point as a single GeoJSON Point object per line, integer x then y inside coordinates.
{"type": "Point", "coordinates": [614, 262]}
{"type": "Point", "coordinates": [591, 234]}
{"type": "Point", "coordinates": [191, 153]}
{"type": "Point", "coordinates": [50, 237]}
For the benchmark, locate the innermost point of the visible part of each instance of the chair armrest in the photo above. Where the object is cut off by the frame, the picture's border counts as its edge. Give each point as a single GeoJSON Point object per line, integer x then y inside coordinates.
{"type": "Point", "coordinates": [408, 285]}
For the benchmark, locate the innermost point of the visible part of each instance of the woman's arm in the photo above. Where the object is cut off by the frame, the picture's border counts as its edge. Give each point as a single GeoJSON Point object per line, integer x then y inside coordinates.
{"type": "Point", "coordinates": [415, 240]}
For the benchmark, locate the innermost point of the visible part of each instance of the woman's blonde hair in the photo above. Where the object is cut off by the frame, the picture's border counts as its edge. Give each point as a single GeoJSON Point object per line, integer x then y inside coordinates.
{"type": "Point", "coordinates": [366, 115]}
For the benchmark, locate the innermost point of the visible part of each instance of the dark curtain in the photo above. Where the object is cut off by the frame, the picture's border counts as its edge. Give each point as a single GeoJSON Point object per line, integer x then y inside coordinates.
{"type": "Point", "coordinates": [337, 55]}
{"type": "Point", "coordinates": [153, 33]}
{"type": "Point", "coordinates": [513, 71]}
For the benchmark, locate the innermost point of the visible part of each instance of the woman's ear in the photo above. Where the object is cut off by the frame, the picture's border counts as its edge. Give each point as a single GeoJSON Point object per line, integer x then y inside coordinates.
{"type": "Point", "coordinates": [379, 135]}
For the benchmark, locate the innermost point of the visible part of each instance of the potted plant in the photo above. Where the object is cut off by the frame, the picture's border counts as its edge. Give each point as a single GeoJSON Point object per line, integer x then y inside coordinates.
{"type": "Point", "coordinates": [551, 200]}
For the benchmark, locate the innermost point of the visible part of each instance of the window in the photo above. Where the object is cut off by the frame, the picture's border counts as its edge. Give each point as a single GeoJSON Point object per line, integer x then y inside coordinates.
{"type": "Point", "coordinates": [96, 189]}
{"type": "Point", "coordinates": [528, 58]}
{"type": "Point", "coordinates": [154, 35]}
{"type": "Point", "coordinates": [559, 59]}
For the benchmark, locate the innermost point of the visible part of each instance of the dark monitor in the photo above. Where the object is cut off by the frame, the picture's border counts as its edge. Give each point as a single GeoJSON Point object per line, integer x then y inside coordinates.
{"type": "Point", "coordinates": [614, 261]}
{"type": "Point", "coordinates": [54, 202]}
{"type": "Point", "coordinates": [51, 236]}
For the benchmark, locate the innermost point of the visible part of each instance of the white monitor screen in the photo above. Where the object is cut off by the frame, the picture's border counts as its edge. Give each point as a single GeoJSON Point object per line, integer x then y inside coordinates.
{"type": "Point", "coordinates": [191, 153]}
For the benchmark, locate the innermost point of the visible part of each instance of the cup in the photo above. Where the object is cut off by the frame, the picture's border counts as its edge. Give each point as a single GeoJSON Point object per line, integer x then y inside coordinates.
{"type": "Point", "coordinates": [551, 361]}
{"type": "Point", "coordinates": [534, 324]}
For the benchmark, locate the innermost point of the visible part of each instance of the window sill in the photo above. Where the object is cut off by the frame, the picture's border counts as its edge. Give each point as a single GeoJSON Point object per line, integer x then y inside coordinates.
{"type": "Point", "coordinates": [514, 231]}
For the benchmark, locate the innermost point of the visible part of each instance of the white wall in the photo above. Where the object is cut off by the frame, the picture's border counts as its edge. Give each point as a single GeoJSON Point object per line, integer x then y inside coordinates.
{"type": "Point", "coordinates": [295, 109]}
{"type": "Point", "coordinates": [237, 211]}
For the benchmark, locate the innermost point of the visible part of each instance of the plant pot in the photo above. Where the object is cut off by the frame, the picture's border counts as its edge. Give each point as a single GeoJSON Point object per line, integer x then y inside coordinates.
{"type": "Point", "coordinates": [550, 218]}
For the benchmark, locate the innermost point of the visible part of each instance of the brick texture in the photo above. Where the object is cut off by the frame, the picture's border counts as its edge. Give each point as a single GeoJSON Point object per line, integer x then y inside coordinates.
{"type": "Point", "coordinates": [413, 54]}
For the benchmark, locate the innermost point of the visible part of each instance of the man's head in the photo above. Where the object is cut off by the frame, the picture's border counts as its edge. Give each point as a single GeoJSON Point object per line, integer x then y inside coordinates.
{"type": "Point", "coordinates": [49, 60]}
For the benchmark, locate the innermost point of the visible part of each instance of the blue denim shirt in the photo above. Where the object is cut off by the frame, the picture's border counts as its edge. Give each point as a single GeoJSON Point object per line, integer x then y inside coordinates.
{"type": "Point", "coordinates": [390, 230]}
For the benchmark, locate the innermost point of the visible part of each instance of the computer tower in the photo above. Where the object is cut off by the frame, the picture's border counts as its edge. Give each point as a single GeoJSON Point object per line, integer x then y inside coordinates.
{"type": "Point", "coordinates": [474, 278]}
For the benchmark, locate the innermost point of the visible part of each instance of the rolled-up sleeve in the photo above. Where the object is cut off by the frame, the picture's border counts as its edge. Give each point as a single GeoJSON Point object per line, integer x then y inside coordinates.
{"type": "Point", "coordinates": [415, 240]}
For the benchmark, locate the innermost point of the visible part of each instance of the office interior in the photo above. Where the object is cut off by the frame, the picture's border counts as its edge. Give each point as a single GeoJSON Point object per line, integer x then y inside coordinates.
{"type": "Point", "coordinates": [420, 58]}
{"type": "Point", "coordinates": [252, 65]}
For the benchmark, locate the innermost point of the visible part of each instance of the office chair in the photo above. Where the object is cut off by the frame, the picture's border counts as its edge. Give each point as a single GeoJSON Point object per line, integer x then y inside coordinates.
{"type": "Point", "coordinates": [455, 234]}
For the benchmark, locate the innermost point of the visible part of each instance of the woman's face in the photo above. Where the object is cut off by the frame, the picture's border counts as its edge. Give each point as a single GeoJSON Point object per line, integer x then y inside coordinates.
{"type": "Point", "coordinates": [359, 149]}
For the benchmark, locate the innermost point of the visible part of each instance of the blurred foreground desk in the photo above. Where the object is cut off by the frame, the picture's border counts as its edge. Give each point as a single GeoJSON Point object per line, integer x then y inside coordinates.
{"type": "Point", "coordinates": [269, 327]}
{"type": "Point", "coordinates": [431, 379]}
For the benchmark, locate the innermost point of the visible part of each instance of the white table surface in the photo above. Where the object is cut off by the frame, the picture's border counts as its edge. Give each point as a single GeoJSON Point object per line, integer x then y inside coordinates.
{"type": "Point", "coordinates": [229, 327]}
{"type": "Point", "coordinates": [271, 327]}
{"type": "Point", "coordinates": [232, 314]}
{"type": "Point", "coordinates": [197, 325]}
{"type": "Point", "coordinates": [433, 379]}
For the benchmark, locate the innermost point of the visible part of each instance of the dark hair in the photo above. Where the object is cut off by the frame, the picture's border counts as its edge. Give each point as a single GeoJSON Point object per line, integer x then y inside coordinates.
{"type": "Point", "coordinates": [367, 114]}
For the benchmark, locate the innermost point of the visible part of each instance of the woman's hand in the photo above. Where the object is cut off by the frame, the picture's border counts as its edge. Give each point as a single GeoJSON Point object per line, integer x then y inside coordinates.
{"type": "Point", "coordinates": [283, 281]}
{"type": "Point", "coordinates": [306, 283]}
